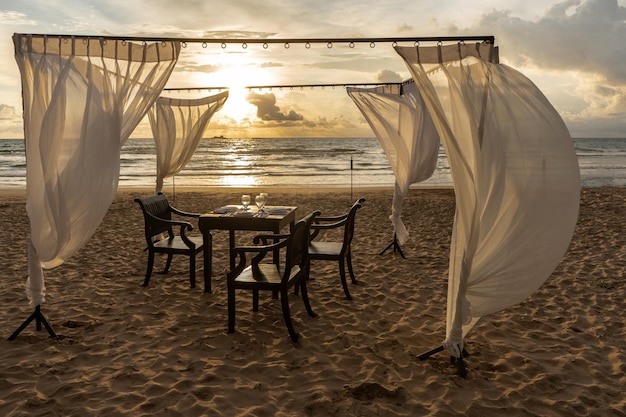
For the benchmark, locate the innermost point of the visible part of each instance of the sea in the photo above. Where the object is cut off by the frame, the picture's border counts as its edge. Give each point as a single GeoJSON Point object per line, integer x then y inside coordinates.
{"type": "Point", "coordinates": [300, 162]}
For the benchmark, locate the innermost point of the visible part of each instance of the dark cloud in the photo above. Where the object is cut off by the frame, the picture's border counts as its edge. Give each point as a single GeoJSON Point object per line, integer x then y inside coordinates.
{"type": "Point", "coordinates": [573, 35]}
{"type": "Point", "coordinates": [268, 110]}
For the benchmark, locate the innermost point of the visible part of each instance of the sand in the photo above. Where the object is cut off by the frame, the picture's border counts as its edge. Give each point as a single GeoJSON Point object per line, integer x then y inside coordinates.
{"type": "Point", "coordinates": [164, 351]}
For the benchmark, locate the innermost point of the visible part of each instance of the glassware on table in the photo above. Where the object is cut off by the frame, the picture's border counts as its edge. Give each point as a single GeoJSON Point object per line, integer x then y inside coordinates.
{"type": "Point", "coordinates": [260, 202]}
{"type": "Point", "coordinates": [265, 195]}
{"type": "Point", "coordinates": [245, 201]}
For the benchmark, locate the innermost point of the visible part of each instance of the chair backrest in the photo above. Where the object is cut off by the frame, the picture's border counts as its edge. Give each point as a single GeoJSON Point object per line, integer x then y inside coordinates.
{"type": "Point", "coordinates": [348, 232]}
{"type": "Point", "coordinates": [159, 207]}
{"type": "Point", "coordinates": [297, 252]}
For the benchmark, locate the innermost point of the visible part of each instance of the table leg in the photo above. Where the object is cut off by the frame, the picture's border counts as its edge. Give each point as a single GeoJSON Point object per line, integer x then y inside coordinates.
{"type": "Point", "coordinates": [276, 255]}
{"type": "Point", "coordinates": [231, 235]}
{"type": "Point", "coordinates": [207, 255]}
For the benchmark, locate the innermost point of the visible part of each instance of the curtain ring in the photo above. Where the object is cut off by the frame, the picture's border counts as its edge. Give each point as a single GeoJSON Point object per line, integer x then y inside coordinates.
{"type": "Point", "coordinates": [244, 45]}
{"type": "Point", "coordinates": [223, 45]}
{"type": "Point", "coordinates": [144, 43]}
{"type": "Point", "coordinates": [183, 44]}
{"type": "Point", "coordinates": [163, 43]}
{"type": "Point", "coordinates": [123, 42]}
{"type": "Point", "coordinates": [394, 44]}
{"type": "Point", "coordinates": [329, 45]}
{"type": "Point", "coordinates": [351, 44]}
{"type": "Point", "coordinates": [372, 45]}
{"type": "Point", "coordinates": [287, 45]}
{"type": "Point", "coordinates": [204, 45]}
{"type": "Point", "coordinates": [265, 45]}
{"type": "Point", "coordinates": [416, 44]}
{"type": "Point", "coordinates": [307, 45]}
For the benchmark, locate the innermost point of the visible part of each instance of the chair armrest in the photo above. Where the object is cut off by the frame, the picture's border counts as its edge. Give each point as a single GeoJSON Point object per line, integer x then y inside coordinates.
{"type": "Point", "coordinates": [317, 227]}
{"type": "Point", "coordinates": [184, 226]}
{"type": "Point", "coordinates": [331, 218]}
{"type": "Point", "coordinates": [335, 225]}
{"type": "Point", "coordinates": [261, 251]}
{"type": "Point", "coordinates": [184, 213]}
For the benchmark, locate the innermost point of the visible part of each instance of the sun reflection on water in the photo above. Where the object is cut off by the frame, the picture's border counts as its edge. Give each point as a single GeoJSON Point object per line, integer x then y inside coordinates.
{"type": "Point", "coordinates": [238, 180]}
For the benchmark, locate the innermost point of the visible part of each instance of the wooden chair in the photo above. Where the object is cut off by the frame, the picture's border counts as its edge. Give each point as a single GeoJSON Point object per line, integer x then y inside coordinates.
{"type": "Point", "coordinates": [162, 238]}
{"type": "Point", "coordinates": [270, 277]}
{"type": "Point", "coordinates": [339, 251]}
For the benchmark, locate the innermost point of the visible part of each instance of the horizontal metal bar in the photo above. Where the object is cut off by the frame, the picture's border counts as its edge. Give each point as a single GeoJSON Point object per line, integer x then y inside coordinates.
{"type": "Point", "coordinates": [281, 86]}
{"type": "Point", "coordinates": [223, 41]}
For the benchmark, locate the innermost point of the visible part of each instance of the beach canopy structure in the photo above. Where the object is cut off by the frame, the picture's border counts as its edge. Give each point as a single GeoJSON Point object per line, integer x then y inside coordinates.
{"type": "Point", "coordinates": [405, 130]}
{"type": "Point", "coordinates": [512, 160]}
{"type": "Point", "coordinates": [177, 126]}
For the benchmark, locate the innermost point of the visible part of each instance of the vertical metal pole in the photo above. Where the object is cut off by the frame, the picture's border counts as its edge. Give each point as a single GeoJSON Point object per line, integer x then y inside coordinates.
{"type": "Point", "coordinates": [351, 169]}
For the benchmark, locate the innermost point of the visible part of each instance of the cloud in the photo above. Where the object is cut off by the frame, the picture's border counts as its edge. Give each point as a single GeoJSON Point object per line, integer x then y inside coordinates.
{"type": "Point", "coordinates": [586, 36]}
{"type": "Point", "coordinates": [10, 122]}
{"type": "Point", "coordinates": [271, 65]}
{"type": "Point", "coordinates": [388, 76]}
{"type": "Point", "coordinates": [8, 17]}
{"type": "Point", "coordinates": [8, 113]}
{"type": "Point", "coordinates": [582, 43]}
{"type": "Point", "coordinates": [268, 110]}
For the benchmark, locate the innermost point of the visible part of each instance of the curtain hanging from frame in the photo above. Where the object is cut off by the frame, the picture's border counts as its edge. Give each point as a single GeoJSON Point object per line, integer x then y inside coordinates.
{"type": "Point", "coordinates": [515, 175]}
{"type": "Point", "coordinates": [406, 132]}
{"type": "Point", "coordinates": [178, 126]}
{"type": "Point", "coordinates": [82, 98]}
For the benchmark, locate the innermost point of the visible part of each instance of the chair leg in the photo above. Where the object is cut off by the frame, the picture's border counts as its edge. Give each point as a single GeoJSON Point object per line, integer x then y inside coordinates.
{"type": "Point", "coordinates": [349, 261]}
{"type": "Point", "coordinates": [255, 300]}
{"type": "Point", "coordinates": [192, 270]}
{"type": "Point", "coordinates": [284, 300]}
{"type": "Point", "coordinates": [231, 310]}
{"type": "Point", "coordinates": [146, 280]}
{"type": "Point", "coordinates": [168, 263]}
{"type": "Point", "coordinates": [344, 283]}
{"type": "Point", "coordinates": [305, 298]}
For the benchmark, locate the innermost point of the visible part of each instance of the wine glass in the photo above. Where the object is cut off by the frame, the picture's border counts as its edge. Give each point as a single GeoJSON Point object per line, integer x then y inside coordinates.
{"type": "Point", "coordinates": [245, 200]}
{"type": "Point", "coordinates": [260, 202]}
{"type": "Point", "coordinates": [265, 198]}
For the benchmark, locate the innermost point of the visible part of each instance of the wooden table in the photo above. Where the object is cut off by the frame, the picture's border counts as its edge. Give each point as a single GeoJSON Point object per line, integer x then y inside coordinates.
{"type": "Point", "coordinates": [278, 218]}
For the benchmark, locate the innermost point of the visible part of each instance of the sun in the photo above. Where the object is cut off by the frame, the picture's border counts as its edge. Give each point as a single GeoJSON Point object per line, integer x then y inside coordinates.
{"type": "Point", "coordinates": [234, 71]}
{"type": "Point", "coordinates": [237, 107]}
{"type": "Point", "coordinates": [237, 76]}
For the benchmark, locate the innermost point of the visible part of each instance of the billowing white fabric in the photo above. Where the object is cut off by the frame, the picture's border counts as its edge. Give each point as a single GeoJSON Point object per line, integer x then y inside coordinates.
{"type": "Point", "coordinates": [406, 133]}
{"type": "Point", "coordinates": [82, 99]}
{"type": "Point", "coordinates": [515, 176]}
{"type": "Point", "coordinates": [177, 127]}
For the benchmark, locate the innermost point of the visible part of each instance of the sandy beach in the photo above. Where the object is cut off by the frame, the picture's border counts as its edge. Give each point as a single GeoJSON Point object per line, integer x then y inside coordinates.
{"type": "Point", "coordinates": [163, 350]}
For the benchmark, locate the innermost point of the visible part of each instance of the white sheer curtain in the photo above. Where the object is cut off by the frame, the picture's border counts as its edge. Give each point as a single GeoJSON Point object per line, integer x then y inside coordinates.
{"type": "Point", "coordinates": [82, 98]}
{"type": "Point", "coordinates": [406, 133]}
{"type": "Point", "coordinates": [177, 127]}
{"type": "Point", "coordinates": [515, 175]}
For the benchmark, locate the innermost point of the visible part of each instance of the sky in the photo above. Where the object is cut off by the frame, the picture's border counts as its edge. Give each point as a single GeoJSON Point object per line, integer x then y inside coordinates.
{"type": "Point", "coordinates": [573, 50]}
